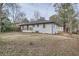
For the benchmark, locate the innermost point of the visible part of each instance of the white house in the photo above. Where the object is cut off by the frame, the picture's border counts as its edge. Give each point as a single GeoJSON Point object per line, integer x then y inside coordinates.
{"type": "Point", "coordinates": [41, 27]}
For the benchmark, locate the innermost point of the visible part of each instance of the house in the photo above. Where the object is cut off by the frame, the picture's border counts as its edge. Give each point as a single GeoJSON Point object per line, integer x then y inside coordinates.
{"type": "Point", "coordinates": [41, 27]}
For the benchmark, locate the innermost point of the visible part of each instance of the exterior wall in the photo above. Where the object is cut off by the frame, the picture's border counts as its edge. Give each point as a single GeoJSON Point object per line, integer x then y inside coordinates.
{"type": "Point", "coordinates": [40, 29]}
{"type": "Point", "coordinates": [49, 28]}
{"type": "Point", "coordinates": [56, 29]}
{"type": "Point", "coordinates": [25, 29]}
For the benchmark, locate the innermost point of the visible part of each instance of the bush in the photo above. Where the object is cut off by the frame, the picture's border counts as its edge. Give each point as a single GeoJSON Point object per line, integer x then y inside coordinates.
{"type": "Point", "coordinates": [37, 31]}
{"type": "Point", "coordinates": [15, 29]}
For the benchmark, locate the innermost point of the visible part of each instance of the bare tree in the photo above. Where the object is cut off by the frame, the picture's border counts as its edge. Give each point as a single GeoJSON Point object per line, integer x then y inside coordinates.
{"type": "Point", "coordinates": [21, 18]}
{"type": "Point", "coordinates": [11, 10]}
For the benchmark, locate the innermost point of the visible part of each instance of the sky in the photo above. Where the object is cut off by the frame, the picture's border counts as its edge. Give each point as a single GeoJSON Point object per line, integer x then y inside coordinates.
{"type": "Point", "coordinates": [45, 9]}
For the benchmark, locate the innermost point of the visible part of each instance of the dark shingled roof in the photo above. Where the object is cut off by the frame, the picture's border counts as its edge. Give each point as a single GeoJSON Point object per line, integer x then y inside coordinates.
{"type": "Point", "coordinates": [39, 22]}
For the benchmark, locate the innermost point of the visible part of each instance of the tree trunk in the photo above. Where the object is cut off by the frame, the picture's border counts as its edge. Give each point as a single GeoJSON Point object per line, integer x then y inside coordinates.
{"type": "Point", "coordinates": [1, 15]}
{"type": "Point", "coordinates": [1, 25]}
{"type": "Point", "coordinates": [64, 27]}
{"type": "Point", "coordinates": [70, 27]}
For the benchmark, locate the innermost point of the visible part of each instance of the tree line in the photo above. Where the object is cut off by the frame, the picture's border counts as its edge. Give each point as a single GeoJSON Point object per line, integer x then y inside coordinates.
{"type": "Point", "coordinates": [10, 15]}
{"type": "Point", "coordinates": [67, 15]}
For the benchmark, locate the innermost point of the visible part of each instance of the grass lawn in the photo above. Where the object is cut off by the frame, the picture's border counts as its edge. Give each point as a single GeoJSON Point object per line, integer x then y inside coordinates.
{"type": "Point", "coordinates": [28, 44]}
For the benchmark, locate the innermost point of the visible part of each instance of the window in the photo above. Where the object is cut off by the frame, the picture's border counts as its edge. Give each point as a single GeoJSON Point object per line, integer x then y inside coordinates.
{"type": "Point", "coordinates": [37, 25]}
{"type": "Point", "coordinates": [30, 28]}
{"type": "Point", "coordinates": [33, 25]}
{"type": "Point", "coordinates": [27, 27]}
{"type": "Point", "coordinates": [43, 25]}
{"type": "Point", "coordinates": [22, 27]}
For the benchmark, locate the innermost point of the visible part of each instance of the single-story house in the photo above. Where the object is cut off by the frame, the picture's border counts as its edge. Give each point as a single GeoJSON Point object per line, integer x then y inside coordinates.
{"type": "Point", "coordinates": [41, 27]}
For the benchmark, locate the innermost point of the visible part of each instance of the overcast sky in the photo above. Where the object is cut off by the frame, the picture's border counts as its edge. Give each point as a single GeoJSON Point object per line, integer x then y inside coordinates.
{"type": "Point", "coordinates": [45, 9]}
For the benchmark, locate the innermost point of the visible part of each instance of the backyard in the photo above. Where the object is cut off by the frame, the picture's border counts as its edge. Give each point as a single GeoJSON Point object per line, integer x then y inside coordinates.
{"type": "Point", "coordinates": [28, 44]}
